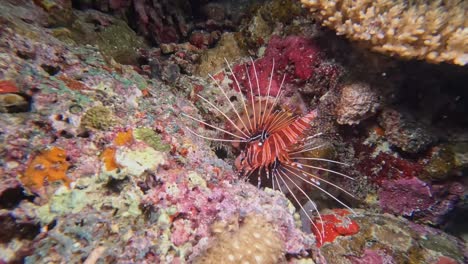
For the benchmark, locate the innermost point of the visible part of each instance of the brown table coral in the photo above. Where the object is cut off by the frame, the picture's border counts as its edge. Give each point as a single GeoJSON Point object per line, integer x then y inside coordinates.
{"type": "Point", "coordinates": [432, 30]}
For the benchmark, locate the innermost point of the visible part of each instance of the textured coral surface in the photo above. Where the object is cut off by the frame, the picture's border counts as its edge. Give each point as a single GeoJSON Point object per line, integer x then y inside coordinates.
{"type": "Point", "coordinates": [253, 240]}
{"type": "Point", "coordinates": [433, 30]}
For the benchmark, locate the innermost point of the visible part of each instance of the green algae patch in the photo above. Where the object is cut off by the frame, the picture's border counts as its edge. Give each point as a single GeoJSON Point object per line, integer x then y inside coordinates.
{"type": "Point", "coordinates": [63, 202]}
{"type": "Point", "coordinates": [136, 161]}
{"type": "Point", "coordinates": [88, 194]}
{"type": "Point", "coordinates": [115, 40]}
{"type": "Point", "coordinates": [151, 138]}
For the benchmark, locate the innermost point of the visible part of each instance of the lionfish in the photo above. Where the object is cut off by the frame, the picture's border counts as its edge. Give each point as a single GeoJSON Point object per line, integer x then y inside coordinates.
{"type": "Point", "coordinates": [273, 142]}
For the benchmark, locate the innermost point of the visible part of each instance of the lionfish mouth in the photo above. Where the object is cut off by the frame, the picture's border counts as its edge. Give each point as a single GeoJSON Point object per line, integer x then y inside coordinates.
{"type": "Point", "coordinates": [274, 145]}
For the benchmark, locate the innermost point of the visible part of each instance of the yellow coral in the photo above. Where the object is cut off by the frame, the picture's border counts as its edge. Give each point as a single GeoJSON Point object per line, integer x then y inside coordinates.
{"type": "Point", "coordinates": [432, 30]}
{"type": "Point", "coordinates": [50, 165]}
{"type": "Point", "coordinates": [253, 240]}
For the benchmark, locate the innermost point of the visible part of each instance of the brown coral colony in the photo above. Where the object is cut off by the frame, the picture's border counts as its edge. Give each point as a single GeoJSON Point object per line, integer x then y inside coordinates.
{"type": "Point", "coordinates": [436, 31]}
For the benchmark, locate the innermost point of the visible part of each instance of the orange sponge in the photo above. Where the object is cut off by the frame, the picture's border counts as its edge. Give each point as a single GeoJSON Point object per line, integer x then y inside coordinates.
{"type": "Point", "coordinates": [50, 165]}
{"type": "Point", "coordinates": [123, 138]}
{"type": "Point", "coordinates": [108, 157]}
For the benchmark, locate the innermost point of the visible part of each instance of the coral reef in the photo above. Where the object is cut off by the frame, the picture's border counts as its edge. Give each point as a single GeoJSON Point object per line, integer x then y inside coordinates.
{"type": "Point", "coordinates": [148, 190]}
{"type": "Point", "coordinates": [432, 30]}
{"type": "Point", "coordinates": [98, 164]}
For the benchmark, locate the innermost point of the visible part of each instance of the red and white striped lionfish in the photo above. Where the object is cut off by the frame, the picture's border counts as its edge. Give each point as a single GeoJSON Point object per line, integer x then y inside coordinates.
{"type": "Point", "coordinates": [273, 143]}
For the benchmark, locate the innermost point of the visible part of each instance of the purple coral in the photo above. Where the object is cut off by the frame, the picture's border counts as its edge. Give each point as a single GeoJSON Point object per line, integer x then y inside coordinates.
{"type": "Point", "coordinates": [415, 198]}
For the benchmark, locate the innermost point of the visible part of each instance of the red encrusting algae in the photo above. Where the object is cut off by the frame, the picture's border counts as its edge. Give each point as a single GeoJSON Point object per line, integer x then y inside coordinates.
{"type": "Point", "coordinates": [8, 87]}
{"type": "Point", "coordinates": [334, 225]}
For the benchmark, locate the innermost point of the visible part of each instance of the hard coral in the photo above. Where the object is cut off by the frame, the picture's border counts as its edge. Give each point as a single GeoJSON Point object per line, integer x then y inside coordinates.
{"type": "Point", "coordinates": [98, 117]}
{"type": "Point", "coordinates": [50, 165]}
{"type": "Point", "coordinates": [253, 240]}
{"type": "Point", "coordinates": [432, 30]}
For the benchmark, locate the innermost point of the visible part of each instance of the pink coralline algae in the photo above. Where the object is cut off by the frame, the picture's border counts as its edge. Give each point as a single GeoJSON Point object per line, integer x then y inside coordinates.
{"type": "Point", "coordinates": [418, 199]}
{"type": "Point", "coordinates": [197, 207]}
{"type": "Point", "coordinates": [294, 57]}
{"type": "Point", "coordinates": [180, 232]}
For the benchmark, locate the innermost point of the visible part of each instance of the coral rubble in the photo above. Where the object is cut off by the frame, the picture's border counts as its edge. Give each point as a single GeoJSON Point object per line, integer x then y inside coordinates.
{"type": "Point", "coordinates": [357, 102]}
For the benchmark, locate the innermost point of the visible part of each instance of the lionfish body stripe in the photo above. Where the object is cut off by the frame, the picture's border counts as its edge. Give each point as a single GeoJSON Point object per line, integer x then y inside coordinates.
{"type": "Point", "coordinates": [275, 147]}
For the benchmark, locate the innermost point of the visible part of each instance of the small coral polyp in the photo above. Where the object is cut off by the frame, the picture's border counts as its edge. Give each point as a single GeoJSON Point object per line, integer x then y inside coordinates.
{"type": "Point", "coordinates": [50, 165]}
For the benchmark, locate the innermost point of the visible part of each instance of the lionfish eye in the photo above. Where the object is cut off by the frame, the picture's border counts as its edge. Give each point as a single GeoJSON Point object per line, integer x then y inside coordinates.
{"type": "Point", "coordinates": [242, 161]}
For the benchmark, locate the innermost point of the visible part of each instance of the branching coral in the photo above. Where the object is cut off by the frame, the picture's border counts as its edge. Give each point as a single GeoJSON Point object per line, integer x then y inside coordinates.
{"type": "Point", "coordinates": [254, 240]}
{"type": "Point", "coordinates": [433, 30]}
